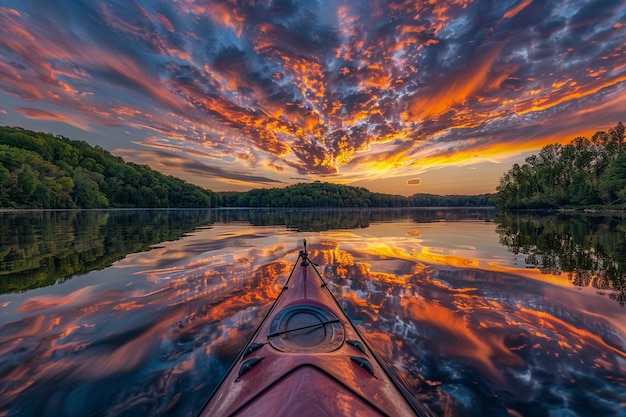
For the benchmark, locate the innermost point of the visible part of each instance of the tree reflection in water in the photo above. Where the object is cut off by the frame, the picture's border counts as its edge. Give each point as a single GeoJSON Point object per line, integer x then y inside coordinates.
{"type": "Point", "coordinates": [40, 248]}
{"type": "Point", "coordinates": [590, 249]}
{"type": "Point", "coordinates": [483, 340]}
{"type": "Point", "coordinates": [470, 331]}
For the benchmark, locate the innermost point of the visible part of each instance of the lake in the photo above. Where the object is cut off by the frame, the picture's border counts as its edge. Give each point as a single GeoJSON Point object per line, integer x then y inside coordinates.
{"type": "Point", "coordinates": [141, 312]}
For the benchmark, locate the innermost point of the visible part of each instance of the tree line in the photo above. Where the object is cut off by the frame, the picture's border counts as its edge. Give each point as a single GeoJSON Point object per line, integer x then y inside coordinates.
{"type": "Point", "coordinates": [39, 170]}
{"type": "Point", "coordinates": [584, 172]}
{"type": "Point", "coordinates": [326, 195]}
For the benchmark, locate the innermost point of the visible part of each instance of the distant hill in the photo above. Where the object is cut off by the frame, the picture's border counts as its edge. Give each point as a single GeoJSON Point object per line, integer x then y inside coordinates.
{"type": "Point", "coordinates": [327, 195]}
{"type": "Point", "coordinates": [39, 170]}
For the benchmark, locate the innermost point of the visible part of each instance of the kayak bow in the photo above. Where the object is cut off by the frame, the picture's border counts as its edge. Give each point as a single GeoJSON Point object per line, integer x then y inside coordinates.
{"type": "Point", "coordinates": [307, 359]}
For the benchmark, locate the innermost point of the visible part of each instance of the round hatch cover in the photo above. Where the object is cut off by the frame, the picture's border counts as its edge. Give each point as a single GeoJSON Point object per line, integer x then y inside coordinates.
{"type": "Point", "coordinates": [305, 329]}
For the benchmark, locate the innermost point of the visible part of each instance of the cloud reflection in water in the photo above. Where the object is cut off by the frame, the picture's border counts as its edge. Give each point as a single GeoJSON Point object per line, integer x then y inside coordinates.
{"type": "Point", "coordinates": [480, 340]}
{"type": "Point", "coordinates": [154, 334]}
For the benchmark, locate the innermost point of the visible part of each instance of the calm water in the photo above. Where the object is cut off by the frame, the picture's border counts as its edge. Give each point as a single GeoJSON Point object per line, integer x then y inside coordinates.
{"type": "Point", "coordinates": [141, 312]}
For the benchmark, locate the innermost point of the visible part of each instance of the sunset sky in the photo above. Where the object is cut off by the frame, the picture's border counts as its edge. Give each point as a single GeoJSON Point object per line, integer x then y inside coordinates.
{"type": "Point", "coordinates": [398, 96]}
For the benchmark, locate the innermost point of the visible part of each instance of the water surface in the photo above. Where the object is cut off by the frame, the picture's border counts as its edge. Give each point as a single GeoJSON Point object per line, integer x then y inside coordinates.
{"type": "Point", "coordinates": [478, 314]}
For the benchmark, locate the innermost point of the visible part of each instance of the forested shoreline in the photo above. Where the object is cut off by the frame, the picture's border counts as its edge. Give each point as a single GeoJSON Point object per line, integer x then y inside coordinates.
{"type": "Point", "coordinates": [39, 170]}
{"type": "Point", "coordinates": [583, 173]}
{"type": "Point", "coordinates": [327, 195]}
{"type": "Point", "coordinates": [42, 171]}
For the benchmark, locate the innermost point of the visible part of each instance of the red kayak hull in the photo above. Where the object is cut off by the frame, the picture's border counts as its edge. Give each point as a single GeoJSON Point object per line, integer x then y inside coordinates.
{"type": "Point", "coordinates": [307, 359]}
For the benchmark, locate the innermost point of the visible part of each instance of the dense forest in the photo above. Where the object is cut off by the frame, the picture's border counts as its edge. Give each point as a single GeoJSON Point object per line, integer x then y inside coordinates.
{"type": "Point", "coordinates": [39, 170]}
{"type": "Point", "coordinates": [585, 172]}
{"type": "Point", "coordinates": [326, 195]}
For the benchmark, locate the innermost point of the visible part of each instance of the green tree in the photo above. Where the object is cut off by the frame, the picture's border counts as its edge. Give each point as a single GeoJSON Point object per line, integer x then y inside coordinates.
{"type": "Point", "coordinates": [613, 182]}
{"type": "Point", "coordinates": [86, 191]}
{"type": "Point", "coordinates": [583, 172]}
{"type": "Point", "coordinates": [26, 182]}
{"type": "Point", "coordinates": [41, 170]}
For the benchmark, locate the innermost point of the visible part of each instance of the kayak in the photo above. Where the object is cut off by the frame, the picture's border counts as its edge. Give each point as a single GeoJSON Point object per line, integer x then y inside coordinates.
{"type": "Point", "coordinates": [308, 359]}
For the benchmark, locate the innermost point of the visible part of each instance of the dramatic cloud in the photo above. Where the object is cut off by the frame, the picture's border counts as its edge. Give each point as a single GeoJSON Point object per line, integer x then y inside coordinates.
{"type": "Point", "coordinates": [204, 173]}
{"type": "Point", "coordinates": [340, 90]}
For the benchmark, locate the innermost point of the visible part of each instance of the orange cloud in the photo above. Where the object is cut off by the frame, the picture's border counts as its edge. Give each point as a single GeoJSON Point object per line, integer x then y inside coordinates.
{"type": "Point", "coordinates": [40, 114]}
{"type": "Point", "coordinates": [454, 90]}
{"type": "Point", "coordinates": [516, 9]}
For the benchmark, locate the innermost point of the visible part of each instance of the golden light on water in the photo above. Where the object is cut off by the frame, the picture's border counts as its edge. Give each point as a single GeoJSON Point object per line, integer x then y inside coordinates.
{"type": "Point", "coordinates": [457, 316]}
